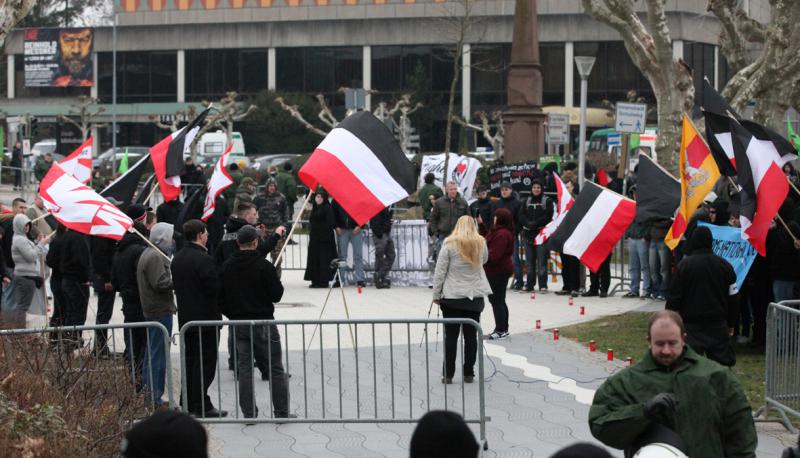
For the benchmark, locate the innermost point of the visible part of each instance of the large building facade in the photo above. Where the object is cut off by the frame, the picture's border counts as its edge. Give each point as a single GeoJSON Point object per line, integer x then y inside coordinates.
{"type": "Point", "coordinates": [170, 53]}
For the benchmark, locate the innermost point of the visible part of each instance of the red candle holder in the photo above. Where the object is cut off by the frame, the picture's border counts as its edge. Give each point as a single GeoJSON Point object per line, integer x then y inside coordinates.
{"type": "Point", "coordinates": [538, 324]}
{"type": "Point", "coordinates": [555, 334]}
{"type": "Point", "coordinates": [629, 361]}
{"type": "Point", "coordinates": [583, 310]}
{"type": "Point", "coordinates": [611, 354]}
{"type": "Point", "coordinates": [592, 346]}
{"type": "Point", "coordinates": [533, 295]}
{"type": "Point", "coordinates": [571, 301]}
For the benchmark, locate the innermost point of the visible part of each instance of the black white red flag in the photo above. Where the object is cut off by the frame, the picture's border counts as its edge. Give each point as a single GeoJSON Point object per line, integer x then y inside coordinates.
{"type": "Point", "coordinates": [565, 202]}
{"type": "Point", "coordinates": [760, 156]}
{"type": "Point", "coordinates": [717, 112]}
{"type": "Point", "coordinates": [361, 165]}
{"type": "Point", "coordinates": [168, 154]}
{"type": "Point", "coordinates": [79, 162]}
{"type": "Point", "coordinates": [220, 180]}
{"type": "Point", "coordinates": [596, 222]}
{"type": "Point", "coordinates": [125, 186]}
{"type": "Point", "coordinates": [78, 207]}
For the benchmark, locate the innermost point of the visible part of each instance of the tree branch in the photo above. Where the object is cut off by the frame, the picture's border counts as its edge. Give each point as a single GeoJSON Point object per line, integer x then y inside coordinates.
{"type": "Point", "coordinates": [294, 111]}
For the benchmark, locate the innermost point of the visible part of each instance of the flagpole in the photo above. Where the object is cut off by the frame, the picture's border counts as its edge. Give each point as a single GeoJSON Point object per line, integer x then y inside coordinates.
{"type": "Point", "coordinates": [152, 191]}
{"type": "Point", "coordinates": [294, 226]}
{"type": "Point", "coordinates": [136, 231]}
{"type": "Point", "coordinates": [786, 227]}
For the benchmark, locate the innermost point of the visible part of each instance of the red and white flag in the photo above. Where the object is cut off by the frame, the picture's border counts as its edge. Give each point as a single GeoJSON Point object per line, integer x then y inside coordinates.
{"type": "Point", "coordinates": [78, 207]}
{"type": "Point", "coordinates": [168, 154]}
{"type": "Point", "coordinates": [760, 156]}
{"type": "Point", "coordinates": [361, 165]}
{"type": "Point", "coordinates": [220, 180]}
{"type": "Point", "coordinates": [79, 163]}
{"type": "Point", "coordinates": [565, 202]}
{"type": "Point", "coordinates": [594, 224]}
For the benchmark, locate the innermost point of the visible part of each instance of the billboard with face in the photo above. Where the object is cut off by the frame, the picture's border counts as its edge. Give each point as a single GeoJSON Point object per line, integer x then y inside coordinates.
{"type": "Point", "coordinates": [58, 57]}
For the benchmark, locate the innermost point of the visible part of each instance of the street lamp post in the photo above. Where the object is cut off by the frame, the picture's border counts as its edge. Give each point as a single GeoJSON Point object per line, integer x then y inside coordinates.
{"type": "Point", "coordinates": [584, 64]}
{"type": "Point", "coordinates": [114, 96]}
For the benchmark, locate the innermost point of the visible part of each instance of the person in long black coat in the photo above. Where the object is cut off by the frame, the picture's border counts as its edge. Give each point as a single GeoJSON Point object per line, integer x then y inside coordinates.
{"type": "Point", "coordinates": [321, 243]}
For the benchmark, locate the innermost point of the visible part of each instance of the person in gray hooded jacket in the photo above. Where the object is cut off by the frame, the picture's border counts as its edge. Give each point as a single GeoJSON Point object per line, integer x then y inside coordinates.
{"type": "Point", "coordinates": [158, 304]}
{"type": "Point", "coordinates": [26, 255]}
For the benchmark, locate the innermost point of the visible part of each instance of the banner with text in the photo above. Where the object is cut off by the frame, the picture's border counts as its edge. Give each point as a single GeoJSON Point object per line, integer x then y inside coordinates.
{"type": "Point", "coordinates": [519, 174]}
{"type": "Point", "coordinates": [461, 169]}
{"type": "Point", "coordinates": [58, 57]}
{"type": "Point", "coordinates": [730, 246]}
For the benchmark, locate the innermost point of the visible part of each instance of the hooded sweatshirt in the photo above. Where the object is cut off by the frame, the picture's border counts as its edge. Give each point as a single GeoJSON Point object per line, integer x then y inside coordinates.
{"type": "Point", "coordinates": [153, 274]}
{"type": "Point", "coordinates": [249, 287]}
{"type": "Point", "coordinates": [25, 252]}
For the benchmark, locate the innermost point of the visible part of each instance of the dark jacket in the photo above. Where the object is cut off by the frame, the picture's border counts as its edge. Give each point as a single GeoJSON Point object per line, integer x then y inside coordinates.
{"type": "Point", "coordinates": [168, 212]}
{"type": "Point", "coordinates": [228, 245]}
{"type": "Point", "coordinates": [342, 218]}
{"type": "Point", "coordinates": [7, 223]}
{"type": "Point", "coordinates": [445, 213]}
{"type": "Point", "coordinates": [196, 282]}
{"type": "Point", "coordinates": [53, 258]}
{"type": "Point", "coordinates": [638, 230]}
{"type": "Point", "coordinates": [249, 287]}
{"type": "Point", "coordinates": [482, 208]}
{"type": "Point", "coordinates": [75, 260]}
{"type": "Point", "coordinates": [381, 223]}
{"type": "Point", "coordinates": [704, 290]}
{"type": "Point", "coordinates": [512, 204]}
{"type": "Point", "coordinates": [102, 249]}
{"type": "Point", "coordinates": [500, 241]}
{"type": "Point", "coordinates": [534, 214]}
{"type": "Point", "coordinates": [659, 229]}
{"type": "Point", "coordinates": [782, 257]}
{"type": "Point", "coordinates": [123, 267]}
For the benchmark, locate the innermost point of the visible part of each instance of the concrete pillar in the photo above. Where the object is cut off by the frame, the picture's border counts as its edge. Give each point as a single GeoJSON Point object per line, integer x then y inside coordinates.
{"type": "Point", "coordinates": [93, 90]}
{"type": "Point", "coordinates": [677, 49]}
{"type": "Point", "coordinates": [466, 82]}
{"type": "Point", "coordinates": [271, 69]}
{"type": "Point", "coordinates": [569, 74]}
{"type": "Point", "coordinates": [366, 75]}
{"type": "Point", "coordinates": [181, 56]}
{"type": "Point", "coordinates": [10, 76]}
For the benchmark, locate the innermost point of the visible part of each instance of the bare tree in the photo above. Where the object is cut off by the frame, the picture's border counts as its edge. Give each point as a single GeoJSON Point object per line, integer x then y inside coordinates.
{"type": "Point", "coordinates": [222, 116]}
{"type": "Point", "coordinates": [496, 139]}
{"type": "Point", "coordinates": [770, 77]}
{"type": "Point", "coordinates": [11, 12]}
{"type": "Point", "coordinates": [181, 116]}
{"type": "Point", "coordinates": [86, 116]}
{"type": "Point", "coordinates": [294, 111]}
{"type": "Point", "coordinates": [649, 45]}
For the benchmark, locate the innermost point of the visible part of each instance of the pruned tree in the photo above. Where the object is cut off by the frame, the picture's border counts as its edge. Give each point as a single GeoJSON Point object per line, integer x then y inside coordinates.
{"type": "Point", "coordinates": [649, 45]}
{"type": "Point", "coordinates": [222, 116]}
{"type": "Point", "coordinates": [770, 77]}
{"type": "Point", "coordinates": [294, 111]}
{"type": "Point", "coordinates": [404, 107]}
{"type": "Point", "coordinates": [12, 12]}
{"type": "Point", "coordinates": [487, 123]}
{"type": "Point", "coordinates": [86, 115]}
{"type": "Point", "coordinates": [180, 117]}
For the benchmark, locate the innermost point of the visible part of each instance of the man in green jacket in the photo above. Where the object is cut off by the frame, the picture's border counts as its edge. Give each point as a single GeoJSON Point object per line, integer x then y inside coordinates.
{"type": "Point", "coordinates": [446, 211]}
{"type": "Point", "coordinates": [43, 166]}
{"type": "Point", "coordinates": [675, 387]}
{"type": "Point", "coordinates": [288, 187]}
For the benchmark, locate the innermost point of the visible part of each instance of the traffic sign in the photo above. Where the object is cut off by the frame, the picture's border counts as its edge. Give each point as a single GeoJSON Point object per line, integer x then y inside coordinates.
{"type": "Point", "coordinates": [557, 128]}
{"type": "Point", "coordinates": [631, 117]}
{"type": "Point", "coordinates": [614, 139]}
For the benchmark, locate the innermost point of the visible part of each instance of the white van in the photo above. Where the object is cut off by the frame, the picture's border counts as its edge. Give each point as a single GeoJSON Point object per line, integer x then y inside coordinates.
{"type": "Point", "coordinates": [214, 144]}
{"type": "Point", "coordinates": [647, 146]}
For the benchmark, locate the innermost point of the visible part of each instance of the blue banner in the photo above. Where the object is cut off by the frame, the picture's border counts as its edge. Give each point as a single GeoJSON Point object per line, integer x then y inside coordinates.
{"type": "Point", "coordinates": [730, 246]}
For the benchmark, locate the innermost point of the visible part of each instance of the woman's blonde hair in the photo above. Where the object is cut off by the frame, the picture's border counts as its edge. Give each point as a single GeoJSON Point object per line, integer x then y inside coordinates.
{"type": "Point", "coordinates": [467, 240]}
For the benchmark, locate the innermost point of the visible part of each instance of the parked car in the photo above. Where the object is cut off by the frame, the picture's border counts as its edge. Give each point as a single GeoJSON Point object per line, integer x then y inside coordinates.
{"type": "Point", "coordinates": [105, 161]}
{"type": "Point", "coordinates": [263, 163]}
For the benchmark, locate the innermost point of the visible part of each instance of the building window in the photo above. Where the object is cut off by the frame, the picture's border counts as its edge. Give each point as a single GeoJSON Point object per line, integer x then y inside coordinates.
{"type": "Point", "coordinates": [142, 76]}
{"type": "Point", "coordinates": [319, 71]}
{"type": "Point", "coordinates": [613, 74]}
{"type": "Point", "coordinates": [212, 73]}
{"type": "Point", "coordinates": [424, 69]}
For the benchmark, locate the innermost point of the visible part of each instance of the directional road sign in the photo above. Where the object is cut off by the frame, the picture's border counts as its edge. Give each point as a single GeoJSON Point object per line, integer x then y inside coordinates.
{"type": "Point", "coordinates": [631, 117]}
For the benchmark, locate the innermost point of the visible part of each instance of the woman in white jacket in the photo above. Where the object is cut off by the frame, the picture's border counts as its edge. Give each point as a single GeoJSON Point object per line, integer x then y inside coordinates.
{"type": "Point", "coordinates": [27, 256]}
{"type": "Point", "coordinates": [459, 287]}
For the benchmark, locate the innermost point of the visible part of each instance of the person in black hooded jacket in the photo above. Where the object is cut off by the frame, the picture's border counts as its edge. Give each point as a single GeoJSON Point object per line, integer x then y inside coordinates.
{"type": "Point", "coordinates": [102, 249]}
{"type": "Point", "coordinates": [246, 214]}
{"type": "Point", "coordinates": [705, 294]}
{"type": "Point", "coordinates": [123, 278]}
{"type": "Point", "coordinates": [249, 287]}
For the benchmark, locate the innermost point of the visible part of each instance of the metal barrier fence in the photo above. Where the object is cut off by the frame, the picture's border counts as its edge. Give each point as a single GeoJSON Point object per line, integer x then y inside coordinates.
{"type": "Point", "coordinates": [67, 340]}
{"type": "Point", "coordinates": [353, 371]}
{"type": "Point", "coordinates": [782, 378]}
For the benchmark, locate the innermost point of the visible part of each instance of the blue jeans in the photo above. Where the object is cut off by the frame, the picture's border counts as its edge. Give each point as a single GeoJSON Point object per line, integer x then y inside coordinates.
{"type": "Point", "coordinates": [536, 259]}
{"type": "Point", "coordinates": [783, 290]}
{"type": "Point", "coordinates": [516, 262]}
{"type": "Point", "coordinates": [155, 360]}
{"type": "Point", "coordinates": [356, 240]}
{"type": "Point", "coordinates": [640, 265]}
{"type": "Point", "coordinates": [660, 267]}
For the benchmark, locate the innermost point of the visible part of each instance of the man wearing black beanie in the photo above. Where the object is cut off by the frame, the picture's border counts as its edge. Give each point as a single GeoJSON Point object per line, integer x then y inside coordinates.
{"type": "Point", "coordinates": [443, 434]}
{"type": "Point", "coordinates": [166, 434]}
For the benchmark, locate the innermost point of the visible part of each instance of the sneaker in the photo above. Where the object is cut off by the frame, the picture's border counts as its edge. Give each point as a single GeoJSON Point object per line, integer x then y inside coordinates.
{"type": "Point", "coordinates": [516, 287]}
{"type": "Point", "coordinates": [497, 335]}
{"type": "Point", "coordinates": [630, 295]}
{"type": "Point", "coordinates": [590, 294]}
{"type": "Point", "coordinates": [562, 292]}
{"type": "Point", "coordinates": [361, 284]}
{"type": "Point", "coordinates": [469, 378]}
{"type": "Point", "coordinates": [542, 290]}
{"type": "Point", "coordinates": [447, 380]}
{"type": "Point", "coordinates": [603, 293]}
{"type": "Point", "coordinates": [660, 297]}
{"type": "Point", "coordinates": [742, 339]}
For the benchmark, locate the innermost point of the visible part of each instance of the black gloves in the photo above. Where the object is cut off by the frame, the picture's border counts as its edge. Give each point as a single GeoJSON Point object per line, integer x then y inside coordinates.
{"type": "Point", "coordinates": [661, 408]}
